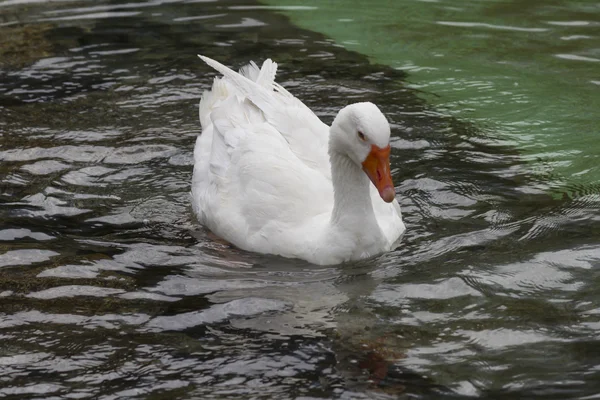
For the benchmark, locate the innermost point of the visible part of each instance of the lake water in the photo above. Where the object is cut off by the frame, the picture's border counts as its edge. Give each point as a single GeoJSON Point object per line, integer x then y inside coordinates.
{"type": "Point", "coordinates": [109, 289]}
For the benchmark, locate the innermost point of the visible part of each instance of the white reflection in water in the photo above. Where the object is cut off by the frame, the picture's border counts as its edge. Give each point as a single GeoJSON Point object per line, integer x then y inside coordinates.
{"type": "Point", "coordinates": [74, 290]}
{"type": "Point", "coordinates": [236, 308]}
{"type": "Point", "coordinates": [25, 257]}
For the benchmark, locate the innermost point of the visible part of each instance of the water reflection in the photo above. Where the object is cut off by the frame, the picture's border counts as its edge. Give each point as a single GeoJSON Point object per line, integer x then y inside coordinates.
{"type": "Point", "coordinates": [110, 289]}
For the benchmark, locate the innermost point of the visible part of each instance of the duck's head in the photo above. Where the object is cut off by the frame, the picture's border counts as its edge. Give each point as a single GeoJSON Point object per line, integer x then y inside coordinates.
{"type": "Point", "coordinates": [362, 132]}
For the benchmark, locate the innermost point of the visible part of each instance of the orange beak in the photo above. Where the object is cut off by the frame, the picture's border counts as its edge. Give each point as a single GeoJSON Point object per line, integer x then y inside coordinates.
{"type": "Point", "coordinates": [377, 168]}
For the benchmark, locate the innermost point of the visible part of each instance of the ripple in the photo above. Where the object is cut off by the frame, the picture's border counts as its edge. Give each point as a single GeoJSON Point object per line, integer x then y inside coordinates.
{"type": "Point", "coordinates": [14, 234]}
{"type": "Point", "coordinates": [574, 57]}
{"type": "Point", "coordinates": [23, 358]}
{"type": "Point", "coordinates": [217, 313]}
{"type": "Point", "coordinates": [148, 296]}
{"type": "Point", "coordinates": [107, 321]}
{"type": "Point", "coordinates": [521, 279]}
{"type": "Point", "coordinates": [89, 135]}
{"type": "Point", "coordinates": [197, 17]}
{"type": "Point", "coordinates": [87, 176]}
{"type": "Point", "coordinates": [67, 153]}
{"type": "Point", "coordinates": [49, 206]}
{"type": "Point", "coordinates": [114, 52]}
{"type": "Point", "coordinates": [105, 7]}
{"type": "Point", "coordinates": [445, 289]}
{"type": "Point", "coordinates": [39, 388]}
{"type": "Point", "coordinates": [501, 338]}
{"type": "Point", "coordinates": [453, 243]}
{"type": "Point", "coordinates": [575, 37]}
{"type": "Point", "coordinates": [490, 26]}
{"type": "Point", "coordinates": [277, 7]}
{"type": "Point", "coordinates": [45, 167]}
{"type": "Point", "coordinates": [183, 286]}
{"type": "Point", "coordinates": [244, 23]}
{"type": "Point", "coordinates": [138, 154]}
{"type": "Point", "coordinates": [569, 23]}
{"type": "Point", "coordinates": [73, 291]}
{"type": "Point", "coordinates": [25, 257]}
{"type": "Point", "coordinates": [100, 15]}
{"type": "Point", "coordinates": [135, 257]}
{"type": "Point", "coordinates": [587, 257]}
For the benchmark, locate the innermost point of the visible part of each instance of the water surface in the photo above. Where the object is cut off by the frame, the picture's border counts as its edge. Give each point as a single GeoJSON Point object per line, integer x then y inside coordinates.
{"type": "Point", "coordinates": [110, 289]}
{"type": "Point", "coordinates": [525, 72]}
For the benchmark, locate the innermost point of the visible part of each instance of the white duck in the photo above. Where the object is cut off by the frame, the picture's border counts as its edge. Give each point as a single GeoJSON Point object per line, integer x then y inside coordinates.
{"type": "Point", "coordinates": [270, 177]}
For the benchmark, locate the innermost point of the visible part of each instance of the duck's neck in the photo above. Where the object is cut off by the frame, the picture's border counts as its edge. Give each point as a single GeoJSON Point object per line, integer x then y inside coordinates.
{"type": "Point", "coordinates": [353, 208]}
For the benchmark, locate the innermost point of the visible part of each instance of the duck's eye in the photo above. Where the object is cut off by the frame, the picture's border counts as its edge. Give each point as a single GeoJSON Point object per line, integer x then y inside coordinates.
{"type": "Point", "coordinates": [361, 136]}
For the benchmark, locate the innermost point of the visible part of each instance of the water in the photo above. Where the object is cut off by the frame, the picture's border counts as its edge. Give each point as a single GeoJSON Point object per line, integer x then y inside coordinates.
{"type": "Point", "coordinates": [525, 73]}
{"type": "Point", "coordinates": [111, 290]}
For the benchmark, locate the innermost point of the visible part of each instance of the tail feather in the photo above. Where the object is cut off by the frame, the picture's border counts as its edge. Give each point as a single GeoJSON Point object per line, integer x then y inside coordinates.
{"type": "Point", "coordinates": [250, 71]}
{"type": "Point", "coordinates": [209, 99]}
{"type": "Point", "coordinates": [266, 77]}
{"type": "Point", "coordinates": [253, 91]}
{"type": "Point", "coordinates": [259, 92]}
{"type": "Point", "coordinates": [263, 76]}
{"type": "Point", "coordinates": [240, 81]}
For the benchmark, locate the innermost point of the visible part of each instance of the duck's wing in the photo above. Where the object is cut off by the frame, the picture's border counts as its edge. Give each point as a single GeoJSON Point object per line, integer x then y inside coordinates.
{"type": "Point", "coordinates": [305, 133]}
{"type": "Point", "coordinates": [249, 181]}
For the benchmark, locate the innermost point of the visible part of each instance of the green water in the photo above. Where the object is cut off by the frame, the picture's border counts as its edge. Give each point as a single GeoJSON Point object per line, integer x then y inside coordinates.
{"type": "Point", "coordinates": [526, 73]}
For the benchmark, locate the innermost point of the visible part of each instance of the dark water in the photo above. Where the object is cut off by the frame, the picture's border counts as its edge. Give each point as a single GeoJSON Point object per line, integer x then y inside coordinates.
{"type": "Point", "coordinates": [109, 289]}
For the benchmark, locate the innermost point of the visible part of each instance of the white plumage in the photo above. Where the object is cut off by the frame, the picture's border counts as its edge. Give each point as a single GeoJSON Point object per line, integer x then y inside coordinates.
{"type": "Point", "coordinates": [270, 177]}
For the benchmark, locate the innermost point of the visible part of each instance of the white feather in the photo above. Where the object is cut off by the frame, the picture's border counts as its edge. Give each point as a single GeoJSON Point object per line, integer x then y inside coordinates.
{"type": "Point", "coordinates": [263, 178]}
